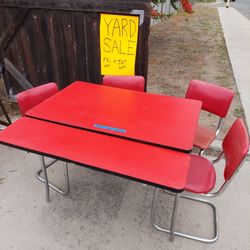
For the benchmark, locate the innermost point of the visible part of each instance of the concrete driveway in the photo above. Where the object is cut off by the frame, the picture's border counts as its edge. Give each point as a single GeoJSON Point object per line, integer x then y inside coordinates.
{"type": "Point", "coordinates": [107, 212]}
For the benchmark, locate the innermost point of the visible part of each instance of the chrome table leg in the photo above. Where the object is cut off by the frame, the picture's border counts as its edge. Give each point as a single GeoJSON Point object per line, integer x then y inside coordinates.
{"type": "Point", "coordinates": [175, 208]}
{"type": "Point", "coordinates": [46, 183]}
{"type": "Point", "coordinates": [49, 184]}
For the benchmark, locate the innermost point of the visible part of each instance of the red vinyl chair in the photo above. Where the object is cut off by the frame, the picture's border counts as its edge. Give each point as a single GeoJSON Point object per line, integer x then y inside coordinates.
{"type": "Point", "coordinates": [27, 100]}
{"type": "Point", "coordinates": [202, 178]}
{"type": "Point", "coordinates": [126, 82]}
{"type": "Point", "coordinates": [32, 97]}
{"type": "Point", "coordinates": [216, 100]}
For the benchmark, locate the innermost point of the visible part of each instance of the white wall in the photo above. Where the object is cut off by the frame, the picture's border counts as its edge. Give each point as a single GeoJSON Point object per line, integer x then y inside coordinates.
{"type": "Point", "coordinates": [165, 8]}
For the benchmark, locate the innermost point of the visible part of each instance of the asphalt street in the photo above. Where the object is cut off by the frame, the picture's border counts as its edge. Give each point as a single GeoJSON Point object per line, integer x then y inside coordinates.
{"type": "Point", "coordinates": [243, 6]}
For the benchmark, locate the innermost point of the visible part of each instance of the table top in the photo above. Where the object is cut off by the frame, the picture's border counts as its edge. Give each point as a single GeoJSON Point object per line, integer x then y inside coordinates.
{"type": "Point", "coordinates": [149, 164]}
{"type": "Point", "coordinates": [151, 118]}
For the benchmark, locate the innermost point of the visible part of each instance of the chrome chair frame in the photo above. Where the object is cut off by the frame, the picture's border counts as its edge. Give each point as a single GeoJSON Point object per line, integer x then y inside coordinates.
{"type": "Point", "coordinates": [194, 197]}
{"type": "Point", "coordinates": [172, 231]}
{"type": "Point", "coordinates": [48, 184]}
{"type": "Point", "coordinates": [217, 131]}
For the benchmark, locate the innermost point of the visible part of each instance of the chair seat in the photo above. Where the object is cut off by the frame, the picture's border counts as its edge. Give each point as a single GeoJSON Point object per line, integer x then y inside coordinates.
{"type": "Point", "coordinates": [202, 176]}
{"type": "Point", "coordinates": [204, 137]}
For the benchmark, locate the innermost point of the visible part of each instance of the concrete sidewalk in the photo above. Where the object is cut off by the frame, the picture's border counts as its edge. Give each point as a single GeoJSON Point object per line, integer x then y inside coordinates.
{"type": "Point", "coordinates": [242, 6]}
{"type": "Point", "coordinates": [236, 30]}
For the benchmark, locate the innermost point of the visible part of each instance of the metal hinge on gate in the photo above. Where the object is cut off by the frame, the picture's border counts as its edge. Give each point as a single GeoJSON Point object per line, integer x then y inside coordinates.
{"type": "Point", "coordinates": [140, 13]}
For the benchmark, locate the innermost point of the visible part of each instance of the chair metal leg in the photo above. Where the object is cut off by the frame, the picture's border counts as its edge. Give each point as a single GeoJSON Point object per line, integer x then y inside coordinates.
{"type": "Point", "coordinates": [172, 232]}
{"type": "Point", "coordinates": [49, 184]}
{"type": "Point", "coordinates": [201, 152]}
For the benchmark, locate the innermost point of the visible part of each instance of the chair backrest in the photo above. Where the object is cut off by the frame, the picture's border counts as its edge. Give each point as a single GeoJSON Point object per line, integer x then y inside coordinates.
{"type": "Point", "coordinates": [31, 97]}
{"type": "Point", "coordinates": [215, 99]}
{"type": "Point", "coordinates": [125, 82]}
{"type": "Point", "coordinates": [235, 147]}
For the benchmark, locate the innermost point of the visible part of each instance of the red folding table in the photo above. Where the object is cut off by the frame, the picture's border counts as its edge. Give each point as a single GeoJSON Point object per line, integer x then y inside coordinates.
{"type": "Point", "coordinates": [132, 134]}
{"type": "Point", "coordinates": [149, 118]}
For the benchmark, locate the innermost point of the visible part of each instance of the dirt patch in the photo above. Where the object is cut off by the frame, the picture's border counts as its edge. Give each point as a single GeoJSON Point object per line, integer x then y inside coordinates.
{"type": "Point", "coordinates": [182, 48]}
{"type": "Point", "coordinates": [186, 47]}
{"type": "Point", "coordinates": [10, 107]}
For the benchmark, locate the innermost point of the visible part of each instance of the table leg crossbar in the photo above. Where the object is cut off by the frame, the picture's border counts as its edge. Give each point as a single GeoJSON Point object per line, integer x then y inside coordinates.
{"type": "Point", "coordinates": [48, 184]}
{"type": "Point", "coordinates": [172, 231]}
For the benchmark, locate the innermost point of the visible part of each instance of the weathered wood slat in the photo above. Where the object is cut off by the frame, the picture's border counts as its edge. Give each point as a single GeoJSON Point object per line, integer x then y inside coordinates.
{"type": "Point", "coordinates": [13, 26]}
{"type": "Point", "coordinates": [17, 75]}
{"type": "Point", "coordinates": [79, 5]}
{"type": "Point", "coordinates": [58, 40]}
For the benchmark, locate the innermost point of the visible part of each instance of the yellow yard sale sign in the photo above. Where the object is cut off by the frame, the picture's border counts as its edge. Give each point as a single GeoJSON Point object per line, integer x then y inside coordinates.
{"type": "Point", "coordinates": [118, 43]}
